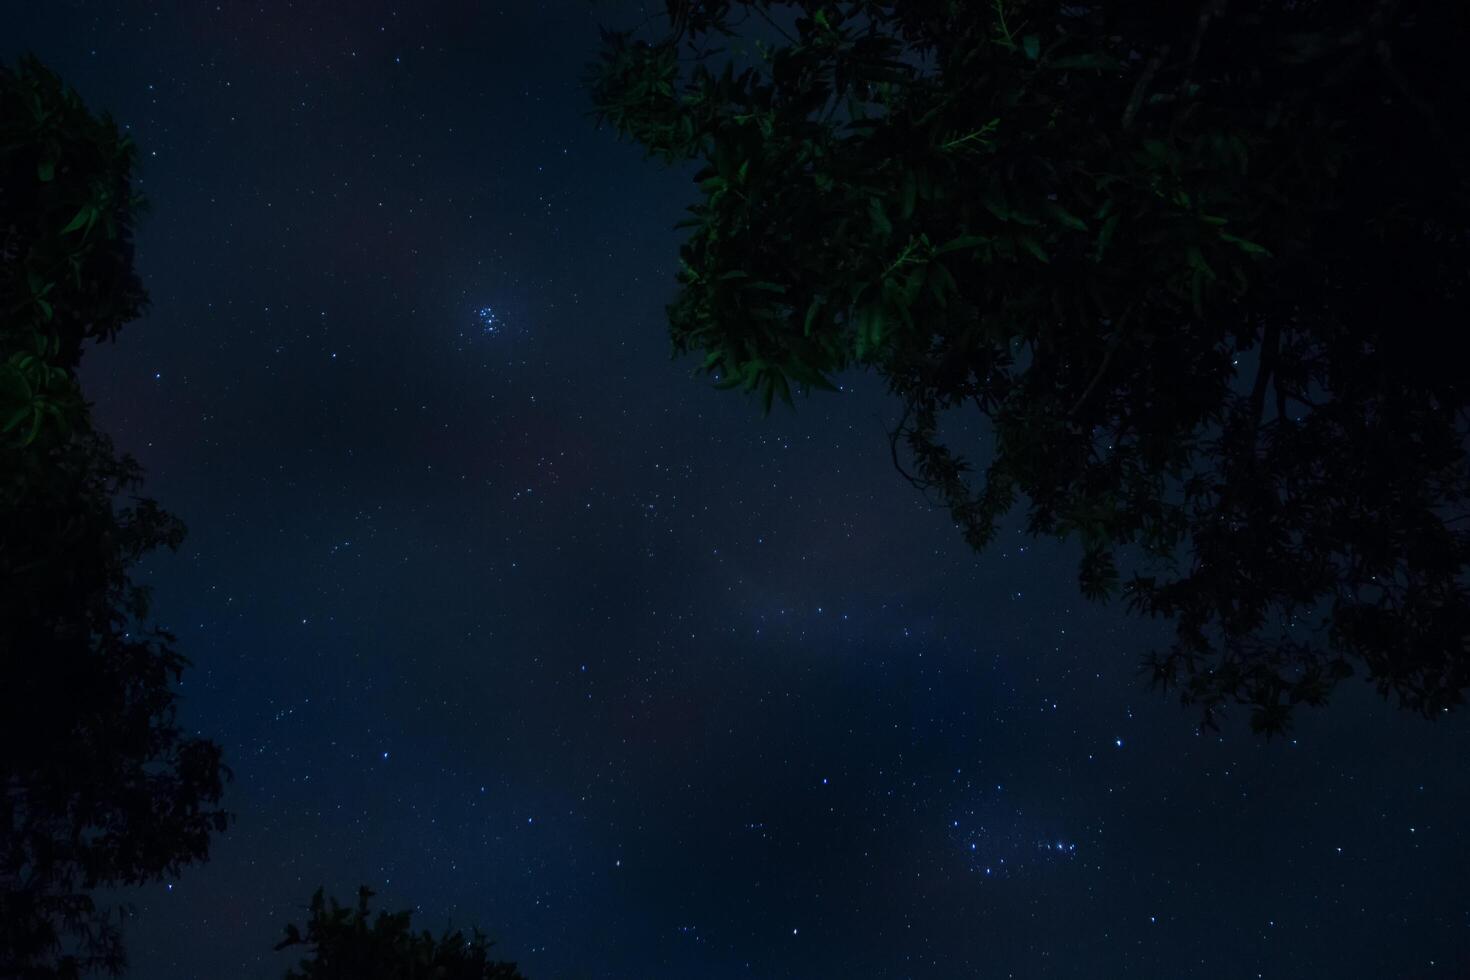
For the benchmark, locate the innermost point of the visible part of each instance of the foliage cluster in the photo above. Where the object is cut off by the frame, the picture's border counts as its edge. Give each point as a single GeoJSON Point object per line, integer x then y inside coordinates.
{"type": "Point", "coordinates": [1077, 219]}
{"type": "Point", "coordinates": [344, 947]}
{"type": "Point", "coordinates": [101, 786]}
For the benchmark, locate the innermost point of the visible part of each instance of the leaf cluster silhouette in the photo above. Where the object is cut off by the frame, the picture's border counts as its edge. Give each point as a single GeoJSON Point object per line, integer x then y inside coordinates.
{"type": "Point", "coordinates": [101, 787]}
{"type": "Point", "coordinates": [1077, 222]}
{"type": "Point", "coordinates": [343, 946]}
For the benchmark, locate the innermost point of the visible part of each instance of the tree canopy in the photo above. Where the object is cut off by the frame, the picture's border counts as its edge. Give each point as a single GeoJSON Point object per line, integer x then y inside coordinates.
{"type": "Point", "coordinates": [1080, 221]}
{"type": "Point", "coordinates": [344, 947]}
{"type": "Point", "coordinates": [101, 786]}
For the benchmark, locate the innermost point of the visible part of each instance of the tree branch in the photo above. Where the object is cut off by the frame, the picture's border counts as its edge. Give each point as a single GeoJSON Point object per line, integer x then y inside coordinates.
{"type": "Point", "coordinates": [767, 18]}
{"type": "Point", "coordinates": [1269, 344]}
{"type": "Point", "coordinates": [1101, 370]}
{"type": "Point", "coordinates": [1107, 359]}
{"type": "Point", "coordinates": [918, 484]}
{"type": "Point", "coordinates": [1280, 400]}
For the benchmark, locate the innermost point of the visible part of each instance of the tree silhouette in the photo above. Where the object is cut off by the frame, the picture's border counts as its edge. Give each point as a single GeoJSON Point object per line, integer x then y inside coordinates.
{"type": "Point", "coordinates": [1079, 221]}
{"type": "Point", "coordinates": [100, 785]}
{"type": "Point", "coordinates": [343, 947]}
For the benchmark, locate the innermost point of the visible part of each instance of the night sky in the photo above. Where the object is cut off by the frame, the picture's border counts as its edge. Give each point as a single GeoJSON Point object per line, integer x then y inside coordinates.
{"type": "Point", "coordinates": [497, 609]}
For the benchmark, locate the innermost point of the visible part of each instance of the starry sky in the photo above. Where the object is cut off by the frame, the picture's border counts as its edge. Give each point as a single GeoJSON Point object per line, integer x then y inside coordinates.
{"type": "Point", "coordinates": [497, 609]}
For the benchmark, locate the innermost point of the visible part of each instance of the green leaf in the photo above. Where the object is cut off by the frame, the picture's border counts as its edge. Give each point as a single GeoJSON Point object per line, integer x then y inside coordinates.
{"type": "Point", "coordinates": [1065, 217]}
{"type": "Point", "coordinates": [753, 372]}
{"type": "Point", "coordinates": [1244, 245]}
{"type": "Point", "coordinates": [963, 241]}
{"type": "Point", "coordinates": [1196, 260]}
{"type": "Point", "coordinates": [870, 330]}
{"type": "Point", "coordinates": [996, 206]}
{"type": "Point", "coordinates": [83, 217]}
{"type": "Point", "coordinates": [1034, 247]}
{"type": "Point", "coordinates": [783, 388]}
{"type": "Point", "coordinates": [910, 193]}
{"type": "Point", "coordinates": [45, 170]}
{"type": "Point", "coordinates": [880, 219]}
{"type": "Point", "coordinates": [770, 287]}
{"type": "Point", "coordinates": [1102, 62]}
{"type": "Point", "coordinates": [1031, 44]}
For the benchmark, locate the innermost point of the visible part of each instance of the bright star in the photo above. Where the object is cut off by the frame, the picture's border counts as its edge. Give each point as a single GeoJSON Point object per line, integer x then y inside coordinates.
{"type": "Point", "coordinates": [489, 321]}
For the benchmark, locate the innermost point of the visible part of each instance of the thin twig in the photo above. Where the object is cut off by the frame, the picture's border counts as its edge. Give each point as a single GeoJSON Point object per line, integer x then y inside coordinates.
{"type": "Point", "coordinates": [1280, 398]}
{"type": "Point", "coordinates": [918, 483]}
{"type": "Point", "coordinates": [779, 29]}
{"type": "Point", "coordinates": [1107, 359]}
{"type": "Point", "coordinates": [1264, 370]}
{"type": "Point", "coordinates": [893, 441]}
{"type": "Point", "coordinates": [1101, 370]}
